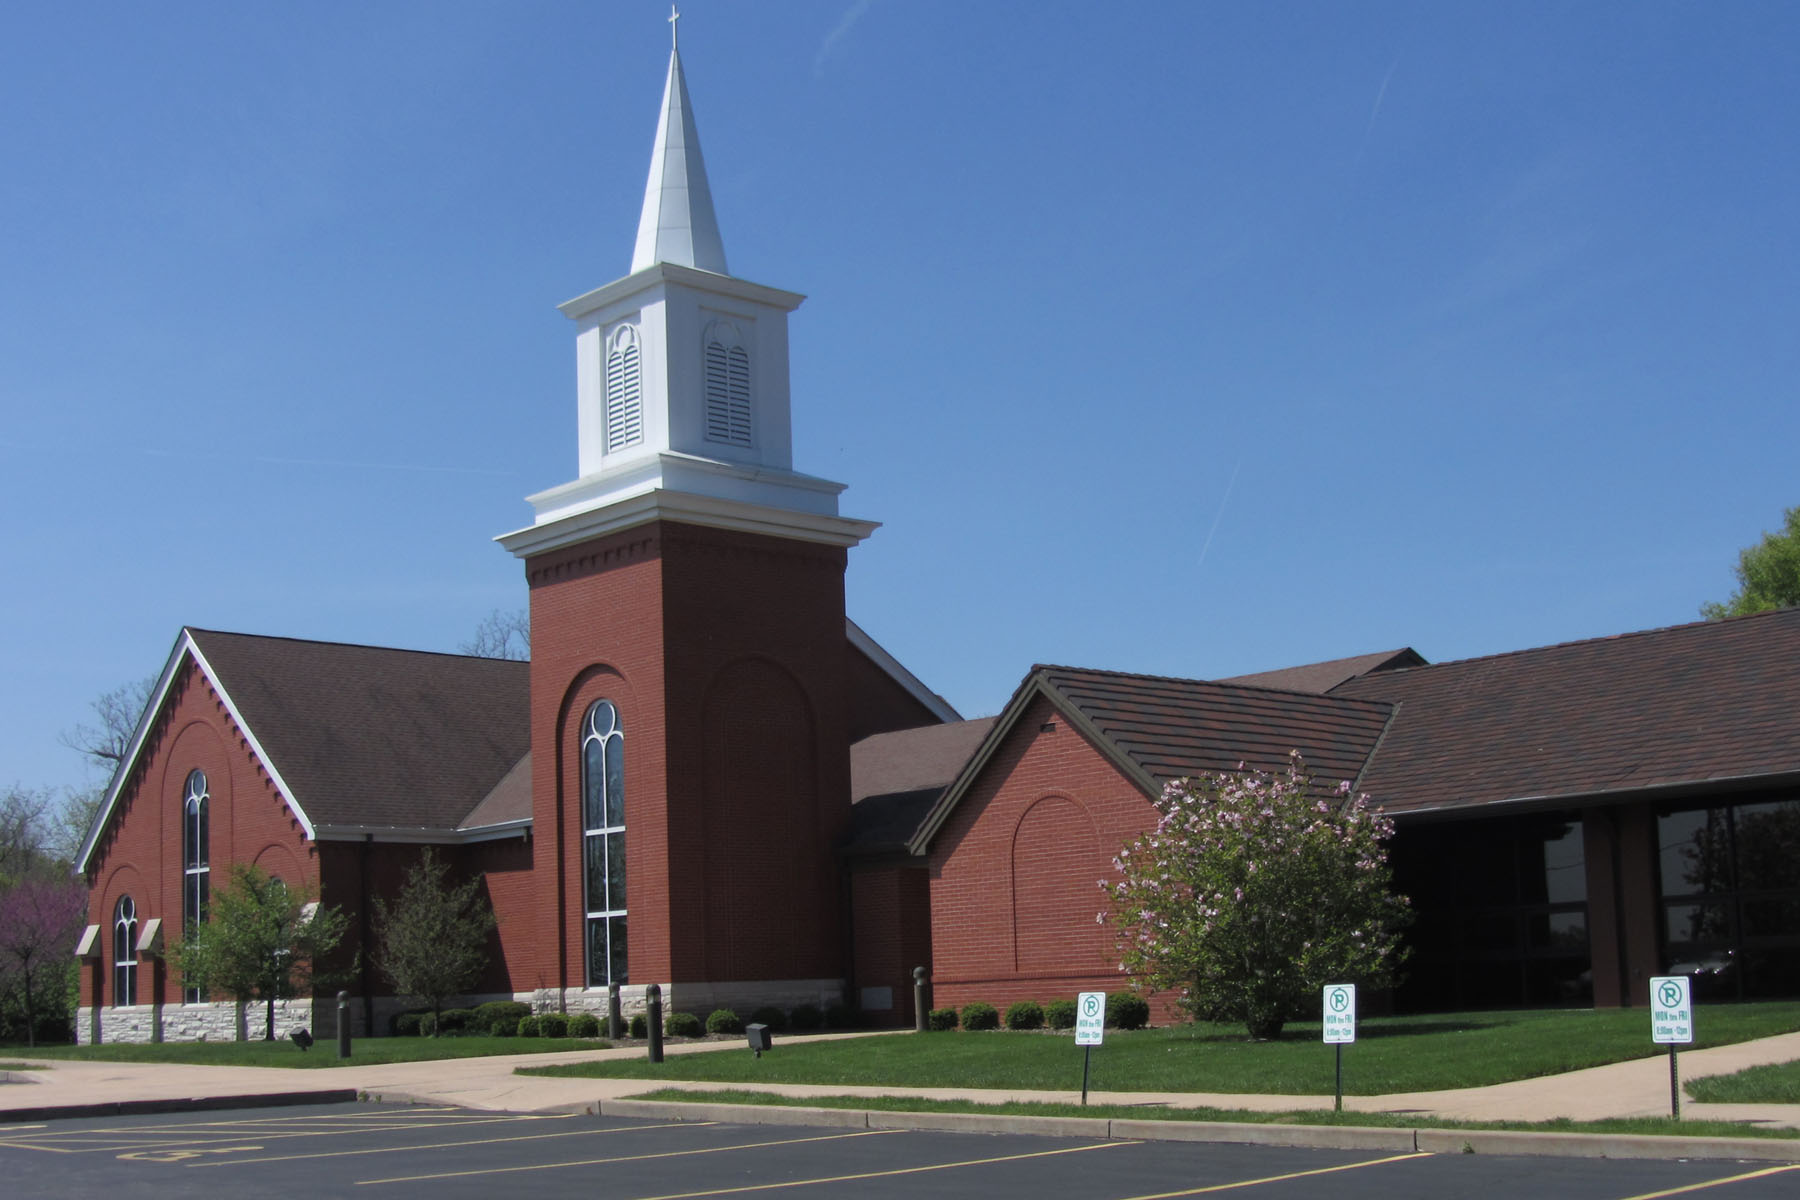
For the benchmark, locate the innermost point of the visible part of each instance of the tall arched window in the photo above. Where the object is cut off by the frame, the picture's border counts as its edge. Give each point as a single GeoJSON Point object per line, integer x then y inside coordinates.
{"type": "Point", "coordinates": [624, 390]}
{"type": "Point", "coordinates": [125, 931]}
{"type": "Point", "coordinates": [196, 878]}
{"type": "Point", "coordinates": [603, 842]}
{"type": "Point", "coordinates": [727, 385]}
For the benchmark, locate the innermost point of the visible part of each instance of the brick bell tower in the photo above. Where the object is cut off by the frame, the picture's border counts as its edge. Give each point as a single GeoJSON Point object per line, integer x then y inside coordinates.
{"type": "Point", "coordinates": [690, 759]}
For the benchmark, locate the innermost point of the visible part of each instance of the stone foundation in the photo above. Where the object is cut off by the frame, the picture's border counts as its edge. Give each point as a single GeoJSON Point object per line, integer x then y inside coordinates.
{"type": "Point", "coordinates": [212, 1021]}
{"type": "Point", "coordinates": [700, 999]}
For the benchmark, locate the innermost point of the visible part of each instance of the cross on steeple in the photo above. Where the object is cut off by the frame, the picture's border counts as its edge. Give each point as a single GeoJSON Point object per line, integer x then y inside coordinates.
{"type": "Point", "coordinates": [674, 29]}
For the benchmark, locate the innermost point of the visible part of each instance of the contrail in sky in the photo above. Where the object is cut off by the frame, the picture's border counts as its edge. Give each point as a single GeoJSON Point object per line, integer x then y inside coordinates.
{"type": "Point", "coordinates": [1218, 516]}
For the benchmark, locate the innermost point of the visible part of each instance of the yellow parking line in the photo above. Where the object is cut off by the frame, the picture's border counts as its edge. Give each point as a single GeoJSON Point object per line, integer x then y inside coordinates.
{"type": "Point", "coordinates": [527, 1137]}
{"type": "Point", "coordinates": [1244, 1183]}
{"type": "Point", "coordinates": [1712, 1183]}
{"type": "Point", "coordinates": [972, 1162]}
{"type": "Point", "coordinates": [595, 1162]}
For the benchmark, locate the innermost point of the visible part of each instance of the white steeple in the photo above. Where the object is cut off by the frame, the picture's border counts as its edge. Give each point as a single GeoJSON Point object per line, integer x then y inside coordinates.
{"type": "Point", "coordinates": [682, 381]}
{"type": "Point", "coordinates": [677, 224]}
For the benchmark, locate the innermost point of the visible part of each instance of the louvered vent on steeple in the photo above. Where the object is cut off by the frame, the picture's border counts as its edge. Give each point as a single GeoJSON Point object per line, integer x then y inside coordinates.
{"type": "Point", "coordinates": [727, 386]}
{"type": "Point", "coordinates": [624, 391]}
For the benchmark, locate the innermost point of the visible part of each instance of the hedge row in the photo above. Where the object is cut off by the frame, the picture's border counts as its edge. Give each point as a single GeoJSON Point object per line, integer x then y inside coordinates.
{"type": "Point", "coordinates": [1124, 1010]}
{"type": "Point", "coordinates": [511, 1018]}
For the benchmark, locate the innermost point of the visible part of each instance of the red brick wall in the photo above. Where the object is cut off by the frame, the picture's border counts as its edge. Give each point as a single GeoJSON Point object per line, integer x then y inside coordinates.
{"type": "Point", "coordinates": [140, 852]}
{"type": "Point", "coordinates": [877, 703]}
{"type": "Point", "coordinates": [1014, 871]}
{"type": "Point", "coordinates": [891, 906]}
{"type": "Point", "coordinates": [724, 653]}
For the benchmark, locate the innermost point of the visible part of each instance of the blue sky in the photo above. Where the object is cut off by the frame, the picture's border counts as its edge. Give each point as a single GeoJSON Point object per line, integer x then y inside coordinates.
{"type": "Point", "coordinates": [1192, 339]}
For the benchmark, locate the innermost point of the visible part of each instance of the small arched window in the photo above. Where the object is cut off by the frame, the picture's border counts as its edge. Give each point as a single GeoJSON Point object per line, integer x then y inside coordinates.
{"type": "Point", "coordinates": [727, 385]}
{"type": "Point", "coordinates": [125, 932]}
{"type": "Point", "coordinates": [196, 878]}
{"type": "Point", "coordinates": [624, 390]}
{"type": "Point", "coordinates": [603, 842]}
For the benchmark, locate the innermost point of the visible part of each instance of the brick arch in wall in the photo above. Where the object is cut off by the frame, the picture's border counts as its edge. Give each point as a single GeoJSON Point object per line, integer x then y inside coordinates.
{"type": "Point", "coordinates": [278, 862]}
{"type": "Point", "coordinates": [123, 880]}
{"type": "Point", "coordinates": [760, 817]}
{"type": "Point", "coordinates": [1056, 858]}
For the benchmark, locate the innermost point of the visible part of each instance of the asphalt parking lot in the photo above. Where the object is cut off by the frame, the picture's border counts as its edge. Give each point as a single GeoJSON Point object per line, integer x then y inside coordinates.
{"type": "Point", "coordinates": [417, 1151]}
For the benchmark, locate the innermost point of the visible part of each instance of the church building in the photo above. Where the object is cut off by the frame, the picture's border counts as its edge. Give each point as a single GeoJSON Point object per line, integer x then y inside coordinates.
{"type": "Point", "coordinates": [710, 779]}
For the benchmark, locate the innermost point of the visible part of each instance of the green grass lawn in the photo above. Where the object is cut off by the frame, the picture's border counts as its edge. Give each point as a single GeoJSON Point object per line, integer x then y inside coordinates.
{"type": "Point", "coordinates": [1395, 1054]}
{"type": "Point", "coordinates": [1641, 1125]}
{"type": "Point", "coordinates": [1778, 1083]}
{"type": "Point", "coordinates": [17, 1066]}
{"type": "Point", "coordinates": [285, 1054]}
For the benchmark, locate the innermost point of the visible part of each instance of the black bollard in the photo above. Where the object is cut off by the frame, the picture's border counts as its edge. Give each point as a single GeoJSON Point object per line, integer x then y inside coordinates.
{"type": "Point", "coordinates": [615, 1020]}
{"type": "Point", "coordinates": [653, 996]}
{"type": "Point", "coordinates": [343, 1024]}
{"type": "Point", "coordinates": [919, 1025]}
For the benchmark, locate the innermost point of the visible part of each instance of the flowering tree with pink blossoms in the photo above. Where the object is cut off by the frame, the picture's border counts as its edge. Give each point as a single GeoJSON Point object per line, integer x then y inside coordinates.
{"type": "Point", "coordinates": [40, 917]}
{"type": "Point", "coordinates": [1253, 891]}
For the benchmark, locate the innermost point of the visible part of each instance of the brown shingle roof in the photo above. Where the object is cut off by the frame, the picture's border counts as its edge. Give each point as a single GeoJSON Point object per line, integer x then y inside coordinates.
{"type": "Point", "coordinates": [1323, 676]}
{"type": "Point", "coordinates": [896, 777]}
{"type": "Point", "coordinates": [1176, 727]}
{"type": "Point", "coordinates": [1711, 701]}
{"type": "Point", "coordinates": [367, 736]}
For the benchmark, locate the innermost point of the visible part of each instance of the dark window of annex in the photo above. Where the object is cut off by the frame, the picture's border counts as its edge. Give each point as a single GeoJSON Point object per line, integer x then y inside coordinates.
{"type": "Point", "coordinates": [1730, 881]}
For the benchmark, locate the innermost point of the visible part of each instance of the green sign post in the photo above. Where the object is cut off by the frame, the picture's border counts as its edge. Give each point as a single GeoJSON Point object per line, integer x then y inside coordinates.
{"type": "Point", "coordinates": [1090, 1029]}
{"type": "Point", "coordinates": [1672, 1022]}
{"type": "Point", "coordinates": [1340, 1026]}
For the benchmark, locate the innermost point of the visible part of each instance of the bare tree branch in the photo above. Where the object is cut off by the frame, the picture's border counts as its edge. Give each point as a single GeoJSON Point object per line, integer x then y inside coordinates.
{"type": "Point", "coordinates": [502, 635]}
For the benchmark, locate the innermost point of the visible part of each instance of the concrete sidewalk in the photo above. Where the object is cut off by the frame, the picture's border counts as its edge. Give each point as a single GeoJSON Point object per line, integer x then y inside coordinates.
{"type": "Point", "coordinates": [1630, 1089]}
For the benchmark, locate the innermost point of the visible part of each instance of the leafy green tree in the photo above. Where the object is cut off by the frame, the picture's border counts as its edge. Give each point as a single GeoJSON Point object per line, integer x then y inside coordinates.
{"type": "Point", "coordinates": [260, 941]}
{"type": "Point", "coordinates": [1252, 892]}
{"type": "Point", "coordinates": [433, 941]}
{"type": "Point", "coordinates": [1768, 574]}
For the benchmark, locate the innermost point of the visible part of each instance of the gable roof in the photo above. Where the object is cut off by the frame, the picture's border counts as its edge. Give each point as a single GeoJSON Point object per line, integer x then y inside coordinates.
{"type": "Point", "coordinates": [1156, 729]}
{"type": "Point", "coordinates": [1697, 706]}
{"type": "Point", "coordinates": [356, 739]}
{"type": "Point", "coordinates": [1324, 676]}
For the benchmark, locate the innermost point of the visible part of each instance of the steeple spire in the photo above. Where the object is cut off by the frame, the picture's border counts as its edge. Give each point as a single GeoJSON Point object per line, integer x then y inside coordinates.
{"type": "Point", "coordinates": [677, 225]}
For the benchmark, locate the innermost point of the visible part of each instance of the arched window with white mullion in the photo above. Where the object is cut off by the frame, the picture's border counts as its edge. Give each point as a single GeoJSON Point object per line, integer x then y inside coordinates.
{"type": "Point", "coordinates": [603, 842]}
{"type": "Point", "coordinates": [196, 874]}
{"type": "Point", "coordinates": [125, 935]}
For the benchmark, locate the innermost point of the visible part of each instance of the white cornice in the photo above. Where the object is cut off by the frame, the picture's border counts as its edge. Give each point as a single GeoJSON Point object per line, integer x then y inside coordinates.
{"type": "Point", "coordinates": [690, 509]}
{"type": "Point", "coordinates": [660, 273]}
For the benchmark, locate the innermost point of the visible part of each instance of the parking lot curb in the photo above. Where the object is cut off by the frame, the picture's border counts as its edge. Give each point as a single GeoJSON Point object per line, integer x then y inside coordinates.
{"type": "Point", "coordinates": [126, 1108]}
{"type": "Point", "coordinates": [1327, 1137]}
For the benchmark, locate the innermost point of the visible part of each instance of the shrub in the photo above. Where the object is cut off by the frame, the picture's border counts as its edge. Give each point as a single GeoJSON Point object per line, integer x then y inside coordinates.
{"type": "Point", "coordinates": [1127, 1010]}
{"type": "Point", "coordinates": [979, 1015]}
{"type": "Point", "coordinates": [500, 1018]}
{"type": "Point", "coordinates": [723, 1020]}
{"type": "Point", "coordinates": [584, 1025]}
{"type": "Point", "coordinates": [773, 1017]}
{"type": "Point", "coordinates": [943, 1020]}
{"type": "Point", "coordinates": [553, 1024]}
{"type": "Point", "coordinates": [807, 1016]}
{"type": "Point", "coordinates": [1025, 1014]}
{"type": "Point", "coordinates": [407, 1024]}
{"type": "Point", "coordinates": [639, 1026]}
{"type": "Point", "coordinates": [530, 1027]}
{"type": "Point", "coordinates": [1060, 1014]}
{"type": "Point", "coordinates": [458, 1022]}
{"type": "Point", "coordinates": [683, 1025]}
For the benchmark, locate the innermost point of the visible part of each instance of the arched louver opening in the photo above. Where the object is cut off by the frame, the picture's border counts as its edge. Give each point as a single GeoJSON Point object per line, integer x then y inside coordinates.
{"type": "Point", "coordinates": [624, 390]}
{"type": "Point", "coordinates": [727, 386]}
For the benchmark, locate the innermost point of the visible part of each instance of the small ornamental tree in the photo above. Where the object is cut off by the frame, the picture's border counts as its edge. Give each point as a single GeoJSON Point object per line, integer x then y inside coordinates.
{"type": "Point", "coordinates": [433, 940]}
{"type": "Point", "coordinates": [260, 941]}
{"type": "Point", "coordinates": [40, 917]}
{"type": "Point", "coordinates": [1252, 892]}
